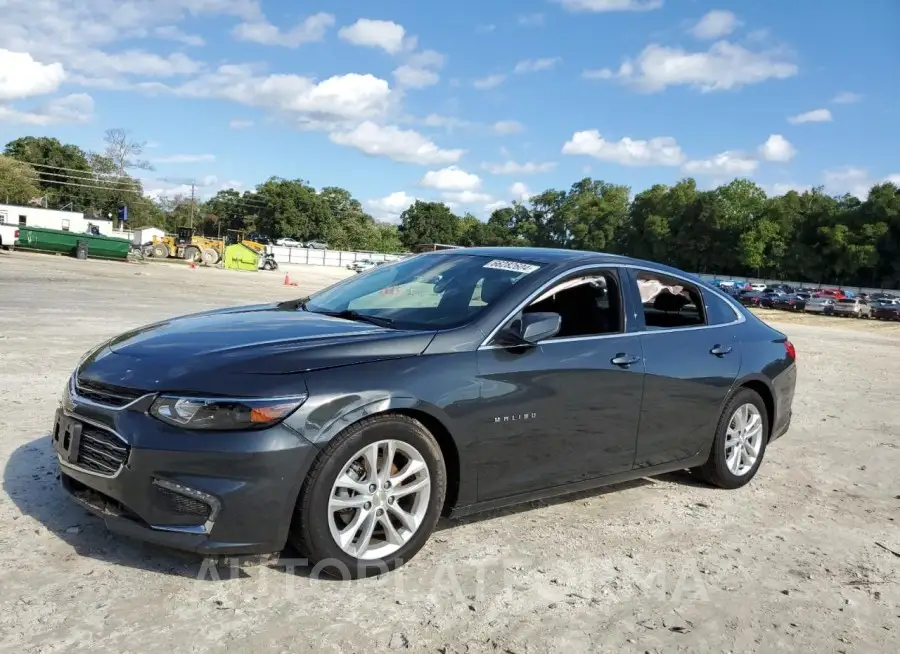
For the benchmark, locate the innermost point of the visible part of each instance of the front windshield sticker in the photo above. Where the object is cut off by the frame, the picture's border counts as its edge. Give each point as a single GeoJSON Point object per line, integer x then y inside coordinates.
{"type": "Point", "coordinates": [514, 266]}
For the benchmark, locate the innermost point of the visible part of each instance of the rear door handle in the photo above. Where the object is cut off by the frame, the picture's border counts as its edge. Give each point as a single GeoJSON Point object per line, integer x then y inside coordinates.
{"type": "Point", "coordinates": [720, 350]}
{"type": "Point", "coordinates": [624, 360]}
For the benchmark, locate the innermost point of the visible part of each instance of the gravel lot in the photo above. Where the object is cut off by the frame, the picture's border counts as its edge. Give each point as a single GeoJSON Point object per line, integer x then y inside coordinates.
{"type": "Point", "coordinates": [798, 561]}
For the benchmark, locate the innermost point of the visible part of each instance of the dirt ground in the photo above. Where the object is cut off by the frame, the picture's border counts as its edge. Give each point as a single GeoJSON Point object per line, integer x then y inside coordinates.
{"type": "Point", "coordinates": [798, 561]}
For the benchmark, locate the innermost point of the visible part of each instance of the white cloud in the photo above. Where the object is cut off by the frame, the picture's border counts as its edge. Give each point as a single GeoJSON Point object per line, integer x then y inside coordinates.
{"type": "Point", "coordinates": [111, 66]}
{"type": "Point", "coordinates": [856, 181]}
{"type": "Point", "coordinates": [814, 116]}
{"type": "Point", "coordinates": [725, 66]}
{"type": "Point", "coordinates": [309, 30]}
{"type": "Point", "coordinates": [520, 192]}
{"type": "Point", "coordinates": [489, 82]}
{"type": "Point", "coordinates": [391, 206]}
{"type": "Point", "coordinates": [385, 34]}
{"type": "Point", "coordinates": [660, 151]}
{"type": "Point", "coordinates": [777, 148]}
{"type": "Point", "coordinates": [21, 76]}
{"type": "Point", "coordinates": [184, 158]}
{"type": "Point", "coordinates": [204, 187]}
{"type": "Point", "coordinates": [240, 123]}
{"type": "Point", "coordinates": [74, 109]}
{"type": "Point", "coordinates": [493, 206]}
{"type": "Point", "coordinates": [174, 33]}
{"type": "Point", "coordinates": [715, 24]}
{"type": "Point", "coordinates": [420, 69]}
{"type": "Point", "coordinates": [451, 178]}
{"type": "Point", "coordinates": [398, 144]}
{"type": "Point", "coordinates": [446, 122]}
{"type": "Point", "coordinates": [485, 29]}
{"type": "Point", "coordinates": [513, 168]}
{"type": "Point", "coordinates": [728, 163]}
{"type": "Point", "coordinates": [598, 6]}
{"type": "Point", "coordinates": [416, 78]}
{"type": "Point", "coordinates": [536, 65]}
{"type": "Point", "coordinates": [781, 188]}
{"type": "Point", "coordinates": [507, 127]}
{"type": "Point", "coordinates": [531, 20]}
{"type": "Point", "coordinates": [466, 197]}
{"type": "Point", "coordinates": [846, 97]}
{"type": "Point", "coordinates": [332, 102]}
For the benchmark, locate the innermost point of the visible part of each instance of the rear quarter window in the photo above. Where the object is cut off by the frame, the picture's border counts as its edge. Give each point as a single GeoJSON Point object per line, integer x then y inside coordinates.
{"type": "Point", "coordinates": [719, 310]}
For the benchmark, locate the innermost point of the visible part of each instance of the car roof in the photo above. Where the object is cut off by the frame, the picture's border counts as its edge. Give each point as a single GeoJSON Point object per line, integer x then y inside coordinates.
{"type": "Point", "coordinates": [559, 255]}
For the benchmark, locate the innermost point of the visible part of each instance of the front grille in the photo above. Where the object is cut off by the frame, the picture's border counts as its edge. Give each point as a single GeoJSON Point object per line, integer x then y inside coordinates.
{"type": "Point", "coordinates": [105, 394]}
{"type": "Point", "coordinates": [101, 451]}
{"type": "Point", "coordinates": [178, 503]}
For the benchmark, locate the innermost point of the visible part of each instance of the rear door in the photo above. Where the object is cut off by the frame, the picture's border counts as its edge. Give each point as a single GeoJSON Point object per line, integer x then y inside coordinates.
{"type": "Point", "coordinates": [691, 359]}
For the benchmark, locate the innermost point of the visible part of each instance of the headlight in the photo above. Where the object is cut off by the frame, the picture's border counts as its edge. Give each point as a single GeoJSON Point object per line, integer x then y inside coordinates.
{"type": "Point", "coordinates": [224, 414]}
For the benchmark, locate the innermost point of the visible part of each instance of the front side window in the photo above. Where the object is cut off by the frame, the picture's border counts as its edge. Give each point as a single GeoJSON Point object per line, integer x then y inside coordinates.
{"type": "Point", "coordinates": [425, 291]}
{"type": "Point", "coordinates": [588, 305]}
{"type": "Point", "coordinates": [669, 302]}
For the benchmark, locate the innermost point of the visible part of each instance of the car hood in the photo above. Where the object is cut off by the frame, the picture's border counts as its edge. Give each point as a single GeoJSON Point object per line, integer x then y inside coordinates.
{"type": "Point", "coordinates": [206, 350]}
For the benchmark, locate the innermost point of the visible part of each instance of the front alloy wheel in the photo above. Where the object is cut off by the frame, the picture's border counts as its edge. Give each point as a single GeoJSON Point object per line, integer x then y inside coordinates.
{"type": "Point", "coordinates": [379, 500]}
{"type": "Point", "coordinates": [372, 498]}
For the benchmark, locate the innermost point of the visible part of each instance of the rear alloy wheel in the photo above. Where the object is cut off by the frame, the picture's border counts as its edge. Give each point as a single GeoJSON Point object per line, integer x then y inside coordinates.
{"type": "Point", "coordinates": [372, 499]}
{"type": "Point", "coordinates": [740, 442]}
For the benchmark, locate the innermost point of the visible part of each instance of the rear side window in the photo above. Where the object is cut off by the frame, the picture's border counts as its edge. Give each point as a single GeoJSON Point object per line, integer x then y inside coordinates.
{"type": "Point", "coordinates": [719, 311]}
{"type": "Point", "coordinates": [669, 303]}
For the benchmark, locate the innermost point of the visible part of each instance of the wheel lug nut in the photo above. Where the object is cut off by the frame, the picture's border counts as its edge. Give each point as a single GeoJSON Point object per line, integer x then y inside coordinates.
{"type": "Point", "coordinates": [379, 512]}
{"type": "Point", "coordinates": [367, 506]}
{"type": "Point", "coordinates": [372, 488]}
{"type": "Point", "coordinates": [390, 500]}
{"type": "Point", "coordinates": [387, 485]}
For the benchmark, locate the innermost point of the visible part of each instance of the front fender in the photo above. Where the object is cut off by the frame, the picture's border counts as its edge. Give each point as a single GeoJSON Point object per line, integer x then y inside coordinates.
{"type": "Point", "coordinates": [330, 417]}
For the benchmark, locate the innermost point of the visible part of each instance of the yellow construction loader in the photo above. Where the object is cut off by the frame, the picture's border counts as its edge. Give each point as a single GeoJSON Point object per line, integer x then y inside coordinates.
{"type": "Point", "coordinates": [186, 245]}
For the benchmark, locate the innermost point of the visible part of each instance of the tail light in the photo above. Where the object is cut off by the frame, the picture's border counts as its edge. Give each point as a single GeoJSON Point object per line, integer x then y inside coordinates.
{"type": "Point", "coordinates": [16, 234]}
{"type": "Point", "coordinates": [790, 350]}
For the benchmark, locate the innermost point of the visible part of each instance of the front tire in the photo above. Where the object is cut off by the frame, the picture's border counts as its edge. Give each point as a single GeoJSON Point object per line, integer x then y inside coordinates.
{"type": "Point", "coordinates": [740, 443]}
{"type": "Point", "coordinates": [372, 499]}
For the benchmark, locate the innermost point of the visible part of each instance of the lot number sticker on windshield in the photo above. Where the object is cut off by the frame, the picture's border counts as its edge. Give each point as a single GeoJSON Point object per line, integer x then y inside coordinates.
{"type": "Point", "coordinates": [513, 266]}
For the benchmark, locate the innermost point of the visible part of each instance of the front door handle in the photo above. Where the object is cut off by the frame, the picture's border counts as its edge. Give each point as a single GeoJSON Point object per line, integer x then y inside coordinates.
{"type": "Point", "coordinates": [624, 360]}
{"type": "Point", "coordinates": [720, 350]}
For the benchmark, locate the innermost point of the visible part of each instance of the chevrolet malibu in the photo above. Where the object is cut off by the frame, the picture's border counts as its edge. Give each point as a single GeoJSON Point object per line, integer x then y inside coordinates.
{"type": "Point", "coordinates": [348, 422]}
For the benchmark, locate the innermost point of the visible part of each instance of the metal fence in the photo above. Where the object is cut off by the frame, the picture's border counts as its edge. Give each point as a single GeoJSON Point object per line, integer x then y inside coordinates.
{"type": "Point", "coordinates": [337, 258]}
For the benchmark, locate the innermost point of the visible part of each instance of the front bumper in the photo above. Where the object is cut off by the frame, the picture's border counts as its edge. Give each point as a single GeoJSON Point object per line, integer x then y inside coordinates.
{"type": "Point", "coordinates": [225, 494]}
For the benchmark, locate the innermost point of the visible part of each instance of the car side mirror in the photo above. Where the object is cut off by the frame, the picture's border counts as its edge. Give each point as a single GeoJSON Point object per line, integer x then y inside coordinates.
{"type": "Point", "coordinates": [530, 329]}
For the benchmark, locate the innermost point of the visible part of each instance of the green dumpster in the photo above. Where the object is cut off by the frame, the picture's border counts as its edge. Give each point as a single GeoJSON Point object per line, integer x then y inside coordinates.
{"type": "Point", "coordinates": [241, 257]}
{"type": "Point", "coordinates": [57, 240]}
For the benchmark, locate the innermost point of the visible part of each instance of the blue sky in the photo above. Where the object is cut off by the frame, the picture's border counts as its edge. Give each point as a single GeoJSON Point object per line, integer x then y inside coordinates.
{"type": "Point", "coordinates": [474, 103]}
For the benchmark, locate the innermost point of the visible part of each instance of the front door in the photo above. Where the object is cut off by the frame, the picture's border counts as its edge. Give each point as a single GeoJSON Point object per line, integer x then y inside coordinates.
{"type": "Point", "coordinates": [566, 410]}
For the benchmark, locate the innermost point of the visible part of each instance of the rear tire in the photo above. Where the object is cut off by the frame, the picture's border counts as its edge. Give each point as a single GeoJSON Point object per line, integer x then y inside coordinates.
{"type": "Point", "coordinates": [210, 256]}
{"type": "Point", "coordinates": [160, 251]}
{"type": "Point", "coordinates": [316, 522]}
{"type": "Point", "coordinates": [717, 470]}
{"type": "Point", "coordinates": [192, 253]}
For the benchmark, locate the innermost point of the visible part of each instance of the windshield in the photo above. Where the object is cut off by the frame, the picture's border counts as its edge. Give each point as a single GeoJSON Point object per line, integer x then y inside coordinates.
{"type": "Point", "coordinates": [426, 291]}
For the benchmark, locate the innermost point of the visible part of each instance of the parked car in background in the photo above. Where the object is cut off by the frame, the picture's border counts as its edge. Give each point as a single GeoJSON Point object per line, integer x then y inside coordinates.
{"type": "Point", "coordinates": [750, 298]}
{"type": "Point", "coordinates": [789, 302]}
{"type": "Point", "coordinates": [852, 307]}
{"type": "Point", "coordinates": [823, 305]}
{"type": "Point", "coordinates": [288, 243]}
{"type": "Point", "coordinates": [9, 236]}
{"type": "Point", "coordinates": [767, 299]}
{"type": "Point", "coordinates": [831, 293]}
{"type": "Point", "coordinates": [759, 288]}
{"type": "Point", "coordinates": [362, 265]}
{"type": "Point", "coordinates": [316, 245]}
{"type": "Point", "coordinates": [886, 310]}
{"type": "Point", "coordinates": [347, 423]}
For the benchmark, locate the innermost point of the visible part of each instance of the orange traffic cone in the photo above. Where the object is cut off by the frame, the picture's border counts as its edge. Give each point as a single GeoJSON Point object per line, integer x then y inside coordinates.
{"type": "Point", "coordinates": [287, 279]}
{"type": "Point", "coordinates": [193, 265]}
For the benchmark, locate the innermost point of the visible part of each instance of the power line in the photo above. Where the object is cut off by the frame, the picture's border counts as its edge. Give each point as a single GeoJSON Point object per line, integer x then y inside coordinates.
{"type": "Point", "coordinates": [66, 176]}
{"type": "Point", "coordinates": [102, 188]}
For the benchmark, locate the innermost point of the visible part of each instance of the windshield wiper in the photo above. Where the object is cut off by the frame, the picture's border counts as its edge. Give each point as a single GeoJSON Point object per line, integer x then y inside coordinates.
{"type": "Point", "coordinates": [294, 305]}
{"type": "Point", "coordinates": [349, 314]}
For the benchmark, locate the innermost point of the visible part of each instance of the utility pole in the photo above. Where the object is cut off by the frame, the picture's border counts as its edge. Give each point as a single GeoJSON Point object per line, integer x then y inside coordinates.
{"type": "Point", "coordinates": [192, 205]}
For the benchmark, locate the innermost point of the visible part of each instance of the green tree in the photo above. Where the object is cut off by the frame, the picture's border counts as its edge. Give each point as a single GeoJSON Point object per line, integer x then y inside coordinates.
{"type": "Point", "coordinates": [427, 222]}
{"type": "Point", "coordinates": [17, 181]}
